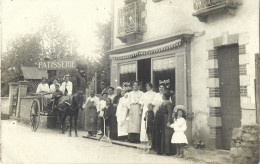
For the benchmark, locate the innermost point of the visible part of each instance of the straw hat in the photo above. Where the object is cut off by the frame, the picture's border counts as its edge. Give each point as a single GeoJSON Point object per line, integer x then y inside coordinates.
{"type": "Point", "coordinates": [177, 107]}
{"type": "Point", "coordinates": [118, 88]}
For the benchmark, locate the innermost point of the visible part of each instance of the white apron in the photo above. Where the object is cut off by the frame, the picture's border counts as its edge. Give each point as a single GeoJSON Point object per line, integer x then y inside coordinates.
{"type": "Point", "coordinates": [135, 112]}
{"type": "Point", "coordinates": [121, 117]}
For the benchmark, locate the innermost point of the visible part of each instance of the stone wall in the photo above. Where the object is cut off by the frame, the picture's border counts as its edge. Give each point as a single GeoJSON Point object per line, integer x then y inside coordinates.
{"type": "Point", "coordinates": [4, 108]}
{"type": "Point", "coordinates": [25, 107]}
{"type": "Point", "coordinates": [245, 145]}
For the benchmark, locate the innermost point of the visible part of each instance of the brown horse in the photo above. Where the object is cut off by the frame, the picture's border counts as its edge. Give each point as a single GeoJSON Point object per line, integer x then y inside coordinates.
{"type": "Point", "coordinates": [71, 108]}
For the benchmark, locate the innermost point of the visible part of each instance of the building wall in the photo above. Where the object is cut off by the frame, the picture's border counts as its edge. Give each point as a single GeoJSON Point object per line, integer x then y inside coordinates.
{"type": "Point", "coordinates": [244, 22]}
{"type": "Point", "coordinates": [169, 17]}
{"type": "Point", "coordinates": [162, 19]}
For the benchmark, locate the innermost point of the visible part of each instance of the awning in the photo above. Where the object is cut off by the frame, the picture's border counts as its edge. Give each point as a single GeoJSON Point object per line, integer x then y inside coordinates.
{"type": "Point", "coordinates": [155, 49]}
{"type": "Point", "coordinates": [128, 68]}
{"type": "Point", "coordinates": [163, 64]}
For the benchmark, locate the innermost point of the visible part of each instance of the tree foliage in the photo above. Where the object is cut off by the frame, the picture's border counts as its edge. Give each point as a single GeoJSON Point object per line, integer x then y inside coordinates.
{"type": "Point", "coordinates": [104, 35]}
{"type": "Point", "coordinates": [23, 51]}
{"type": "Point", "coordinates": [49, 41]}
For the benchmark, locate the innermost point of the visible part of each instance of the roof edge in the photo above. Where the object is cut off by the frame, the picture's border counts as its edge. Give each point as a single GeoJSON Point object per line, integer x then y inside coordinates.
{"type": "Point", "coordinates": [186, 35]}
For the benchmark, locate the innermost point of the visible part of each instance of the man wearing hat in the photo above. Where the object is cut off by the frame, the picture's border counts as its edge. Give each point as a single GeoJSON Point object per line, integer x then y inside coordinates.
{"type": "Point", "coordinates": [43, 86]}
{"type": "Point", "coordinates": [66, 86]}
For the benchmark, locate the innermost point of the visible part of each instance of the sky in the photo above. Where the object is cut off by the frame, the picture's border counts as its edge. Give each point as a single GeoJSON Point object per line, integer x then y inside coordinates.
{"type": "Point", "coordinates": [79, 17]}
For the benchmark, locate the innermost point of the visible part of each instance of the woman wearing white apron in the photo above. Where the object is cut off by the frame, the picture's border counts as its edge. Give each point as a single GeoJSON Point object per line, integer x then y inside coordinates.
{"type": "Point", "coordinates": [146, 99]}
{"type": "Point", "coordinates": [121, 113]}
{"type": "Point", "coordinates": [135, 114]}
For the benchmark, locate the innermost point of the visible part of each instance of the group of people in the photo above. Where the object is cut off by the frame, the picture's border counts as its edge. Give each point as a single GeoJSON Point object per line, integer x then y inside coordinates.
{"type": "Point", "coordinates": [131, 115]}
{"type": "Point", "coordinates": [135, 116]}
{"type": "Point", "coordinates": [65, 88]}
{"type": "Point", "coordinates": [54, 92]}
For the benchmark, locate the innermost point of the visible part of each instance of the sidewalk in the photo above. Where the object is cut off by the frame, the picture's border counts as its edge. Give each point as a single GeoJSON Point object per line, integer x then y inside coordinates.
{"type": "Point", "coordinates": [196, 155]}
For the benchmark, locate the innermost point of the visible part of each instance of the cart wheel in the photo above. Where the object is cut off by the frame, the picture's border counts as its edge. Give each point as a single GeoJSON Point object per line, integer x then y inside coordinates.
{"type": "Point", "coordinates": [35, 115]}
{"type": "Point", "coordinates": [65, 125]}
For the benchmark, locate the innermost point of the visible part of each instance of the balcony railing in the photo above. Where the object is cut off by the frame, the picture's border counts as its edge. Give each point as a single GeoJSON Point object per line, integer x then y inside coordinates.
{"type": "Point", "coordinates": [203, 8]}
{"type": "Point", "coordinates": [129, 21]}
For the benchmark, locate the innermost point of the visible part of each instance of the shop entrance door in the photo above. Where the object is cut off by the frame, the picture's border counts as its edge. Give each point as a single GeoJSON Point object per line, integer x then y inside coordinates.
{"type": "Point", "coordinates": [229, 91]}
{"type": "Point", "coordinates": [144, 72]}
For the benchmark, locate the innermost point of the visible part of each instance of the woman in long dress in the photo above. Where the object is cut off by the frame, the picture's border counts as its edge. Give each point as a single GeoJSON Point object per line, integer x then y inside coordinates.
{"type": "Point", "coordinates": [162, 132]}
{"type": "Point", "coordinates": [135, 114]}
{"type": "Point", "coordinates": [146, 99]}
{"type": "Point", "coordinates": [91, 114]}
{"type": "Point", "coordinates": [158, 98]}
{"type": "Point", "coordinates": [121, 116]}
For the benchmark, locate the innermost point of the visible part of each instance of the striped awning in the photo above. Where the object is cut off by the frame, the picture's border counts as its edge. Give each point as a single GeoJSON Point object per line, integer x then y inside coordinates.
{"type": "Point", "coordinates": [128, 68]}
{"type": "Point", "coordinates": [163, 64]}
{"type": "Point", "coordinates": [147, 51]}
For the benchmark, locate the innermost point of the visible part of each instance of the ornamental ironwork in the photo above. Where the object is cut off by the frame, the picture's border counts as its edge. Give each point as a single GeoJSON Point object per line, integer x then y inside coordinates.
{"type": "Point", "coordinates": [203, 8]}
{"type": "Point", "coordinates": [130, 21]}
{"type": "Point", "coordinates": [204, 4]}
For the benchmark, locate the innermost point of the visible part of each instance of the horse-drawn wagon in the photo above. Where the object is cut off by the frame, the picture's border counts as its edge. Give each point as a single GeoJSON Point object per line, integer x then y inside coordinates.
{"type": "Point", "coordinates": [44, 106]}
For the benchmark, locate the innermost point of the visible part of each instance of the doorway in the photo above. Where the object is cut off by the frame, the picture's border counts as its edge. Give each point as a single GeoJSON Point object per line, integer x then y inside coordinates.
{"type": "Point", "coordinates": [228, 63]}
{"type": "Point", "coordinates": [143, 72]}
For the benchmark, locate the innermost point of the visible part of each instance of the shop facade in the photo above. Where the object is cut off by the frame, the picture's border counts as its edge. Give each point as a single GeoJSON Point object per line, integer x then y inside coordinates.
{"type": "Point", "coordinates": [203, 51]}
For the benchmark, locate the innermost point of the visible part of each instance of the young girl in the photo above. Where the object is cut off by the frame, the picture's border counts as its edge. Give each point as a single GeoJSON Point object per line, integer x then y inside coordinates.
{"type": "Point", "coordinates": [179, 126]}
{"type": "Point", "coordinates": [149, 118]}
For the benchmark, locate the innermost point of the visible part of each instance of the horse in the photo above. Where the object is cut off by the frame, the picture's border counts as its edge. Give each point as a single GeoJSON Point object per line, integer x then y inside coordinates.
{"type": "Point", "coordinates": [70, 108]}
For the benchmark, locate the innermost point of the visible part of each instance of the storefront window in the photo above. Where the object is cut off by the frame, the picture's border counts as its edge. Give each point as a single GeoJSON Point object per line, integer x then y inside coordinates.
{"type": "Point", "coordinates": [166, 77]}
{"type": "Point", "coordinates": [127, 73]}
{"type": "Point", "coordinates": [164, 72]}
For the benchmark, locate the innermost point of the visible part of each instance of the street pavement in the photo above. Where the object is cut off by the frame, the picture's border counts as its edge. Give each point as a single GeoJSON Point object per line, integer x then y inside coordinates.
{"type": "Point", "coordinates": [21, 145]}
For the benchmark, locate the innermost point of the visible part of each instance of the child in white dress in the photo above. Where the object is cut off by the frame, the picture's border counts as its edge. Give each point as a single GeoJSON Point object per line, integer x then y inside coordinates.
{"type": "Point", "coordinates": [178, 137]}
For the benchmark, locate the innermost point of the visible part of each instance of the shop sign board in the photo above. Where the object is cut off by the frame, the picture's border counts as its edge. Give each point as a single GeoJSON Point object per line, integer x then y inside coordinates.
{"type": "Point", "coordinates": [57, 64]}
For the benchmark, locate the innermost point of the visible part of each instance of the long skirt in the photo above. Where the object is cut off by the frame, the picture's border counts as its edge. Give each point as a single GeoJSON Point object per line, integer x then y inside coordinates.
{"type": "Point", "coordinates": [143, 135]}
{"type": "Point", "coordinates": [113, 128]}
{"type": "Point", "coordinates": [122, 128]}
{"type": "Point", "coordinates": [161, 141]}
{"type": "Point", "coordinates": [121, 122]}
{"type": "Point", "coordinates": [134, 122]}
{"type": "Point", "coordinates": [91, 119]}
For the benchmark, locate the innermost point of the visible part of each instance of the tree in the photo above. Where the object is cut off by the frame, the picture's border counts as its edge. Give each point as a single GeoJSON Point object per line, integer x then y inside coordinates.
{"type": "Point", "coordinates": [56, 43]}
{"type": "Point", "coordinates": [23, 51]}
{"type": "Point", "coordinates": [103, 66]}
{"type": "Point", "coordinates": [27, 50]}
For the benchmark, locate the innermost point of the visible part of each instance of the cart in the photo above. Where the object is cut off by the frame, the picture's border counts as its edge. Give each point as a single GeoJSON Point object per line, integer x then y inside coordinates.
{"type": "Point", "coordinates": [42, 108]}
